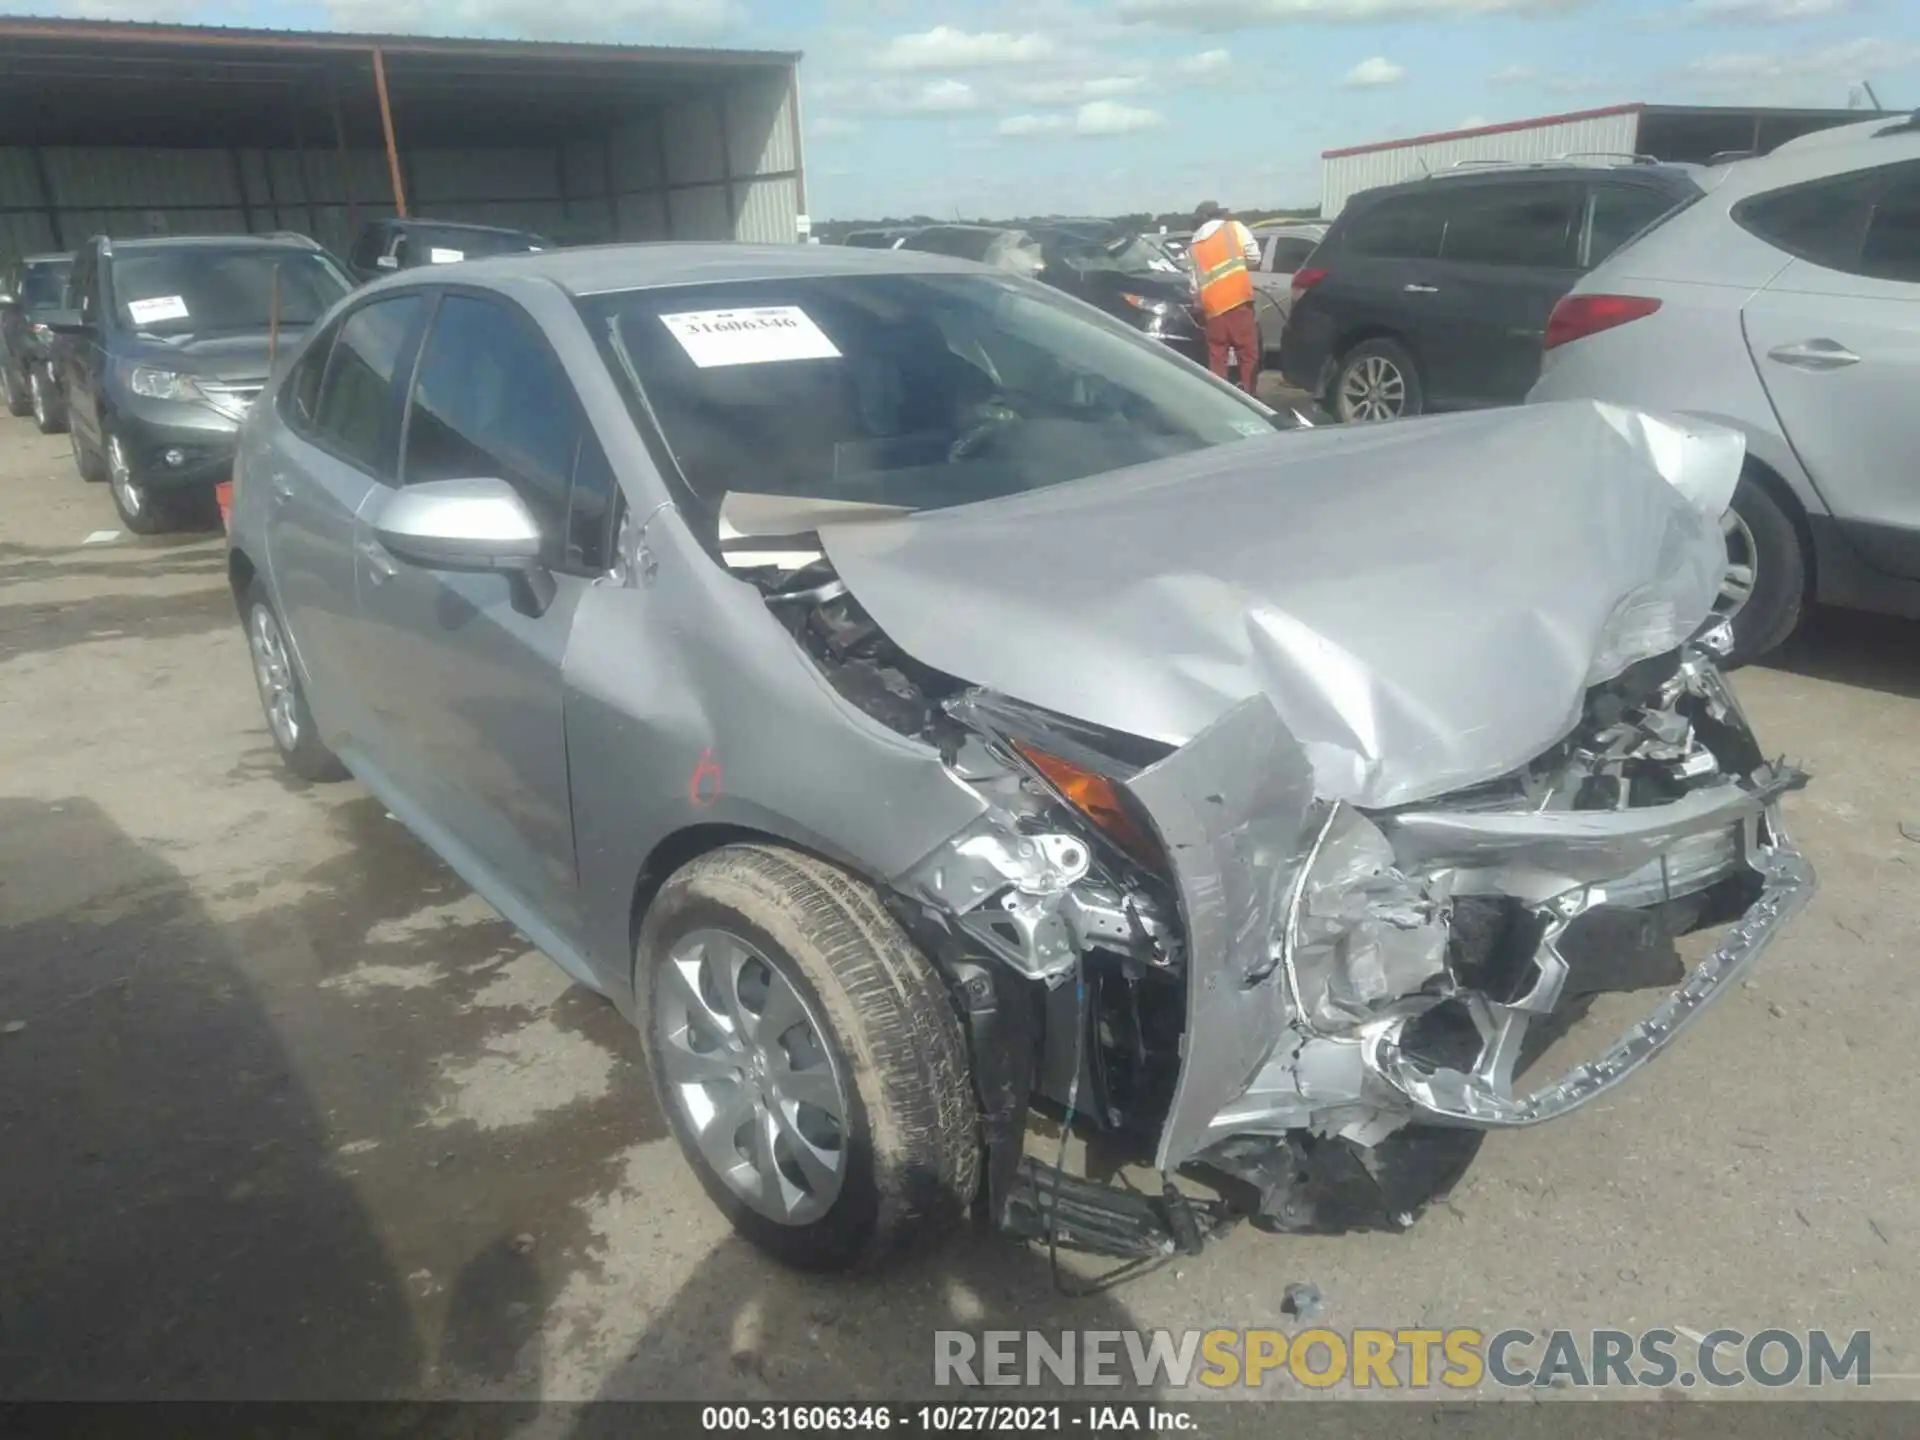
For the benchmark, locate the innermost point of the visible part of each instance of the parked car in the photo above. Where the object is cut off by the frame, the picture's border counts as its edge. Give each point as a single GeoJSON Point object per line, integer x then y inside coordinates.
{"type": "Point", "coordinates": [1785, 303]}
{"type": "Point", "coordinates": [1434, 294]}
{"type": "Point", "coordinates": [1283, 250]}
{"type": "Point", "coordinates": [30, 289]}
{"type": "Point", "coordinates": [910, 694]}
{"type": "Point", "coordinates": [167, 344]}
{"type": "Point", "coordinates": [888, 238]}
{"type": "Point", "coordinates": [385, 246]}
{"type": "Point", "coordinates": [1092, 260]}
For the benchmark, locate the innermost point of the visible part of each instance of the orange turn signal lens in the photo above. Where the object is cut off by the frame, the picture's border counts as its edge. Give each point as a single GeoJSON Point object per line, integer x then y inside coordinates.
{"type": "Point", "coordinates": [1100, 800]}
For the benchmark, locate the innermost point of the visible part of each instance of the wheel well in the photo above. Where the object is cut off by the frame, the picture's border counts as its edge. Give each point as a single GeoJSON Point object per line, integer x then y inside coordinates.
{"type": "Point", "coordinates": [670, 854]}
{"type": "Point", "coordinates": [1781, 493]}
{"type": "Point", "coordinates": [240, 573]}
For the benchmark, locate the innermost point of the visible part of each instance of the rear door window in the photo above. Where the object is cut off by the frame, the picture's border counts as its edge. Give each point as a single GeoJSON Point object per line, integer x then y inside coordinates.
{"type": "Point", "coordinates": [1824, 221]}
{"type": "Point", "coordinates": [1892, 247]}
{"type": "Point", "coordinates": [1620, 212]}
{"type": "Point", "coordinates": [300, 395]}
{"type": "Point", "coordinates": [1515, 225]}
{"type": "Point", "coordinates": [1401, 227]}
{"type": "Point", "coordinates": [355, 415]}
{"type": "Point", "coordinates": [1289, 252]}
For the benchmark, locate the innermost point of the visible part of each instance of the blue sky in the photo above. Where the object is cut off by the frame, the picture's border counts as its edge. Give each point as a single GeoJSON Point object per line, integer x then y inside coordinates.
{"type": "Point", "coordinates": [1027, 106]}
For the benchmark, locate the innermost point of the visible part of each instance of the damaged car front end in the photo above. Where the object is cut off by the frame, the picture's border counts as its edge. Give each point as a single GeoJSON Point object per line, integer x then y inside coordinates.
{"type": "Point", "coordinates": [1298, 892]}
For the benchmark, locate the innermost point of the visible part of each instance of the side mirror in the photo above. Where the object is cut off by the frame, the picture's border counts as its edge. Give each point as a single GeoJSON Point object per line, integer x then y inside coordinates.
{"type": "Point", "coordinates": [65, 322]}
{"type": "Point", "coordinates": [471, 526]}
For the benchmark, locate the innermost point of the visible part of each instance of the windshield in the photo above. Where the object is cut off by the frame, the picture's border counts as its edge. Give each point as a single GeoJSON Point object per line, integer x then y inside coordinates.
{"type": "Point", "coordinates": [44, 285]}
{"type": "Point", "coordinates": [203, 290]}
{"type": "Point", "coordinates": [1126, 254]}
{"type": "Point", "coordinates": [917, 390]}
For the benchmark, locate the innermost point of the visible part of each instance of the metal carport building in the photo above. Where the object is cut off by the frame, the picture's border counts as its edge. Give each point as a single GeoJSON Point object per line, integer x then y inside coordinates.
{"type": "Point", "coordinates": [139, 129]}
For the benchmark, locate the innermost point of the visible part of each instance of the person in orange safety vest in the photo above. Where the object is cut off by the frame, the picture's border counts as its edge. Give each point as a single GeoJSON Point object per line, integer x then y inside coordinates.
{"type": "Point", "coordinates": [1224, 253]}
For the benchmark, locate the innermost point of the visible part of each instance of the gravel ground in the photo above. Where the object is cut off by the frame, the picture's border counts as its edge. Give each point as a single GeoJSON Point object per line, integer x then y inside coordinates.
{"type": "Point", "coordinates": [286, 1112]}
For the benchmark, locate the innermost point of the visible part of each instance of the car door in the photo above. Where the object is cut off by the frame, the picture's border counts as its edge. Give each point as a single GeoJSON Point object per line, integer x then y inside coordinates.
{"type": "Point", "coordinates": [467, 689]}
{"type": "Point", "coordinates": [1835, 337]}
{"type": "Point", "coordinates": [84, 355]}
{"type": "Point", "coordinates": [1385, 279]}
{"type": "Point", "coordinates": [1511, 252]}
{"type": "Point", "coordinates": [333, 451]}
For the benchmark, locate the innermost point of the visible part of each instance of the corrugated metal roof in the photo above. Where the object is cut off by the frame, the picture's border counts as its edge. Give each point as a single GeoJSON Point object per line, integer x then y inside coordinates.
{"type": "Point", "coordinates": [162, 33]}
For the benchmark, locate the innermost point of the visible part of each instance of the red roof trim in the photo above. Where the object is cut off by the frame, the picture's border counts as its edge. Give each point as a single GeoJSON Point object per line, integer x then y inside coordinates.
{"type": "Point", "coordinates": [1534, 124]}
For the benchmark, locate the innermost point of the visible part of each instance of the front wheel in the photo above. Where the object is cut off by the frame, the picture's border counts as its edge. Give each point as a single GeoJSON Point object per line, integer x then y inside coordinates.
{"type": "Point", "coordinates": [13, 391]}
{"type": "Point", "coordinates": [1377, 380]}
{"type": "Point", "coordinates": [141, 510]}
{"type": "Point", "coordinates": [1765, 586]}
{"type": "Point", "coordinates": [807, 1057]}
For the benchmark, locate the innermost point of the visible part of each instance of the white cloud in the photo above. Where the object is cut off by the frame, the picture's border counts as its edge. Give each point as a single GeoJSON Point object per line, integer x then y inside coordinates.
{"type": "Point", "coordinates": [1760, 12]}
{"type": "Point", "coordinates": [1032, 124]}
{"type": "Point", "coordinates": [1109, 117]}
{"type": "Point", "coordinates": [890, 96]}
{"type": "Point", "coordinates": [536, 19]}
{"type": "Point", "coordinates": [1802, 76]}
{"type": "Point", "coordinates": [830, 127]}
{"type": "Point", "coordinates": [1474, 122]}
{"type": "Point", "coordinates": [1241, 14]}
{"type": "Point", "coordinates": [1074, 91]}
{"type": "Point", "coordinates": [1207, 62]}
{"type": "Point", "coordinates": [1535, 78]}
{"type": "Point", "coordinates": [945, 95]}
{"type": "Point", "coordinates": [945, 48]}
{"type": "Point", "coordinates": [1374, 72]}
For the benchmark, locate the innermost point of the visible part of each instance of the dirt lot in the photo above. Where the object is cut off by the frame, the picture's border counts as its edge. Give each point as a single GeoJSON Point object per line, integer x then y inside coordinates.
{"type": "Point", "coordinates": [287, 1112]}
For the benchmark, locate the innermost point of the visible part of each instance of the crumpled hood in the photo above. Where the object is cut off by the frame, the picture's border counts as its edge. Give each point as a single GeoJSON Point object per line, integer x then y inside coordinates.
{"type": "Point", "coordinates": [1424, 602]}
{"type": "Point", "coordinates": [232, 356]}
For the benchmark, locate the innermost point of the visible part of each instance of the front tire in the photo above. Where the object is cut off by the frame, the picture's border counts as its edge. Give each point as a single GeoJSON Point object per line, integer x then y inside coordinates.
{"type": "Point", "coordinates": [807, 1057]}
{"type": "Point", "coordinates": [92, 469]}
{"type": "Point", "coordinates": [289, 718]}
{"type": "Point", "coordinates": [1766, 586]}
{"type": "Point", "coordinates": [1377, 380]}
{"type": "Point", "coordinates": [13, 390]}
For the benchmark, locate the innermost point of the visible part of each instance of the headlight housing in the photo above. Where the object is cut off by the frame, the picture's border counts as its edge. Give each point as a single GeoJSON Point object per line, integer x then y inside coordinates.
{"type": "Point", "coordinates": [1145, 303]}
{"type": "Point", "coordinates": [157, 384]}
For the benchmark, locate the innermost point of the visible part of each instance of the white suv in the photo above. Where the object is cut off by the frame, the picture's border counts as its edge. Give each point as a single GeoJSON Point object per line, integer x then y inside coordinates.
{"type": "Point", "coordinates": [1785, 302]}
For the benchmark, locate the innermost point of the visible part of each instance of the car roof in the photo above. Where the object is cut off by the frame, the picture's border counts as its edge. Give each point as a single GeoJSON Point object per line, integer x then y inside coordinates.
{"type": "Point", "coordinates": [211, 242]}
{"type": "Point", "coordinates": [1505, 173]}
{"type": "Point", "coordinates": [394, 222]}
{"type": "Point", "coordinates": [606, 269]}
{"type": "Point", "coordinates": [52, 257]}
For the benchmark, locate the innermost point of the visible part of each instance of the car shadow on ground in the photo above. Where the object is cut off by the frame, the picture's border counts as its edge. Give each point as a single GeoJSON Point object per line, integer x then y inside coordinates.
{"type": "Point", "coordinates": [173, 1226]}
{"type": "Point", "coordinates": [1852, 647]}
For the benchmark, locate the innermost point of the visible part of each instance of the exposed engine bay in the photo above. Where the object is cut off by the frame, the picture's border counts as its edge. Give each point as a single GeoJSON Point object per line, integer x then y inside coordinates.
{"type": "Point", "coordinates": [1372, 983]}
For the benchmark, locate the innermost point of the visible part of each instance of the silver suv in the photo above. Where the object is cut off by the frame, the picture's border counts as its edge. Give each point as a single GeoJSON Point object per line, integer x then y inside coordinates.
{"type": "Point", "coordinates": [911, 695]}
{"type": "Point", "coordinates": [1786, 303]}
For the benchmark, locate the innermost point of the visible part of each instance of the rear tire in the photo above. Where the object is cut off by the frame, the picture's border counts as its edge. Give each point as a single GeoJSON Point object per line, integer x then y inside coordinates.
{"type": "Point", "coordinates": [1765, 541]}
{"type": "Point", "coordinates": [294, 733]}
{"type": "Point", "coordinates": [906, 1142]}
{"type": "Point", "coordinates": [1377, 380]}
{"type": "Point", "coordinates": [49, 410]}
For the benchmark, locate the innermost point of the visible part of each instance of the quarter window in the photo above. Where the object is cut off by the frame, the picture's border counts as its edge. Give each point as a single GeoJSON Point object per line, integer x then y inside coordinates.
{"type": "Point", "coordinates": [1892, 248]}
{"type": "Point", "coordinates": [354, 417]}
{"type": "Point", "coordinates": [1289, 253]}
{"type": "Point", "coordinates": [1621, 212]}
{"type": "Point", "coordinates": [491, 400]}
{"type": "Point", "coordinates": [1863, 223]}
{"type": "Point", "coordinates": [300, 396]}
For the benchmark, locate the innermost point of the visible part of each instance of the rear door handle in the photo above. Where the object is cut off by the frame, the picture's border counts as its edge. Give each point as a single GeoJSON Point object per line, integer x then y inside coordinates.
{"type": "Point", "coordinates": [379, 563]}
{"type": "Point", "coordinates": [282, 483]}
{"type": "Point", "coordinates": [1814, 355]}
{"type": "Point", "coordinates": [1412, 289]}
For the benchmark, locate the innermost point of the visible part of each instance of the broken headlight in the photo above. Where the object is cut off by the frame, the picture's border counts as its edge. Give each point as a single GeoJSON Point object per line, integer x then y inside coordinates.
{"type": "Point", "coordinates": [1359, 933]}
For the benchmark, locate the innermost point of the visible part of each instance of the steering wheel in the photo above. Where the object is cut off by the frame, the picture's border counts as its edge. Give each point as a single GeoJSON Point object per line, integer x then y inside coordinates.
{"type": "Point", "coordinates": [975, 438]}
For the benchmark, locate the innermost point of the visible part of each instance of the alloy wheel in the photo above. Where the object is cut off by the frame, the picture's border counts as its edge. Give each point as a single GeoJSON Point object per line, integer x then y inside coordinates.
{"type": "Point", "coordinates": [273, 673]}
{"type": "Point", "coordinates": [1374, 389]}
{"type": "Point", "coordinates": [1743, 557]}
{"type": "Point", "coordinates": [37, 385]}
{"type": "Point", "coordinates": [744, 1062]}
{"type": "Point", "coordinates": [128, 491]}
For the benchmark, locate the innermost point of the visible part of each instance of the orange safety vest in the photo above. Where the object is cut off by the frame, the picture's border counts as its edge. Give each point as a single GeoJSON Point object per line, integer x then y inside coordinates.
{"type": "Point", "coordinates": [1220, 266]}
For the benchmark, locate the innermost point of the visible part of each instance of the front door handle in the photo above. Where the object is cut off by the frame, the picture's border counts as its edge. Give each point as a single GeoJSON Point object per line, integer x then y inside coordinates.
{"type": "Point", "coordinates": [379, 564]}
{"type": "Point", "coordinates": [1415, 289]}
{"type": "Point", "coordinates": [1814, 355]}
{"type": "Point", "coordinates": [281, 482]}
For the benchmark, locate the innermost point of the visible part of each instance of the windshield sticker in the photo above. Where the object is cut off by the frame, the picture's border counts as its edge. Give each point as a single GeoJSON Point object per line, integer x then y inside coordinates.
{"type": "Point", "coordinates": [1253, 427]}
{"type": "Point", "coordinates": [161, 307]}
{"type": "Point", "coordinates": [749, 337]}
{"type": "Point", "coordinates": [437, 256]}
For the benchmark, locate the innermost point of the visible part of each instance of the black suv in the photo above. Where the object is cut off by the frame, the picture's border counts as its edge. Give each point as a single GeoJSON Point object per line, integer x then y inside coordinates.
{"type": "Point", "coordinates": [29, 289]}
{"type": "Point", "coordinates": [1434, 294]}
{"type": "Point", "coordinates": [166, 345]}
{"type": "Point", "coordinates": [385, 246]}
{"type": "Point", "coordinates": [1092, 260]}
